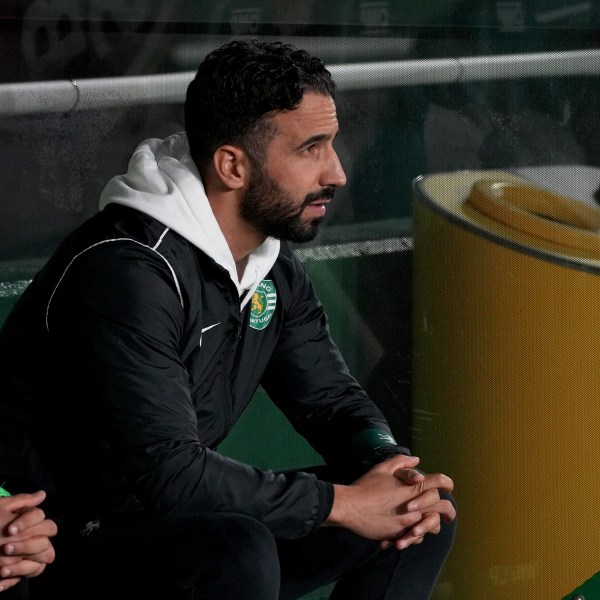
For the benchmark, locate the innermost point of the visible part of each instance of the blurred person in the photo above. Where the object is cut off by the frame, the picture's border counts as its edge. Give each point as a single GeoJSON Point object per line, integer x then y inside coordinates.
{"type": "Point", "coordinates": [152, 326]}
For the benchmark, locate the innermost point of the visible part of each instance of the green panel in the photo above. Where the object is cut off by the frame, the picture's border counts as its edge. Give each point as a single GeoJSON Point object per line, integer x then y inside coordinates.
{"type": "Point", "coordinates": [320, 594]}
{"type": "Point", "coordinates": [263, 437]}
{"type": "Point", "coordinates": [6, 304]}
{"type": "Point", "coordinates": [589, 590]}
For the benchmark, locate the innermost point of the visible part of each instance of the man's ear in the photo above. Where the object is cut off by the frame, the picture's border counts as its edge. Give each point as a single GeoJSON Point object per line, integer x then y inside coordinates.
{"type": "Point", "coordinates": [231, 166]}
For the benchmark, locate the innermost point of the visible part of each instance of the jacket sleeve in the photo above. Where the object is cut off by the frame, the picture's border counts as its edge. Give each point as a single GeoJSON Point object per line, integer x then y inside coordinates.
{"type": "Point", "coordinates": [119, 324]}
{"type": "Point", "coordinates": [309, 380]}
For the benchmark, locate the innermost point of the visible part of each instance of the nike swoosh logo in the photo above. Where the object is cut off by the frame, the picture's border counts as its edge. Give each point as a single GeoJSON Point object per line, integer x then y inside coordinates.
{"type": "Point", "coordinates": [206, 329]}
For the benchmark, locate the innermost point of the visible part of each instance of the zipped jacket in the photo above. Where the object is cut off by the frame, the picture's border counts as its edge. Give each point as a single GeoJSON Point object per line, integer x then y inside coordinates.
{"type": "Point", "coordinates": [132, 354]}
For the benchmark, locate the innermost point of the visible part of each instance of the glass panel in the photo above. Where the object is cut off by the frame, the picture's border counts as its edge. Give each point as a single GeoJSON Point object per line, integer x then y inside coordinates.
{"type": "Point", "coordinates": [424, 88]}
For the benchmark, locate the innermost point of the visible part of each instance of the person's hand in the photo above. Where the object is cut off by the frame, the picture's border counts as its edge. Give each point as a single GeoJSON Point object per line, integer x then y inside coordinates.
{"type": "Point", "coordinates": [433, 508]}
{"type": "Point", "coordinates": [393, 503]}
{"type": "Point", "coordinates": [25, 538]}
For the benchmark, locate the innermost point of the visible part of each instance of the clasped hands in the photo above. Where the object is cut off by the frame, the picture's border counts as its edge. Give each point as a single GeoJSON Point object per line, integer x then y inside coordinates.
{"type": "Point", "coordinates": [25, 532]}
{"type": "Point", "coordinates": [394, 503]}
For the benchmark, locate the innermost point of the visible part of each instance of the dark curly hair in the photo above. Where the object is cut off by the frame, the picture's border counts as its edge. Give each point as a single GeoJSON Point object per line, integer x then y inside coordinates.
{"type": "Point", "coordinates": [239, 86]}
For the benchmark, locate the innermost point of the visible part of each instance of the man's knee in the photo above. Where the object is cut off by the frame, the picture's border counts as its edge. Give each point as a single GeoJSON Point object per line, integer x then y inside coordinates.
{"type": "Point", "coordinates": [254, 543]}
{"type": "Point", "coordinates": [246, 556]}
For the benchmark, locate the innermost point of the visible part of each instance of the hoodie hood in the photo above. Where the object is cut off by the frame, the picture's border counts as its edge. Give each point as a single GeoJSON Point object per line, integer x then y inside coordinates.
{"type": "Point", "coordinates": [163, 182]}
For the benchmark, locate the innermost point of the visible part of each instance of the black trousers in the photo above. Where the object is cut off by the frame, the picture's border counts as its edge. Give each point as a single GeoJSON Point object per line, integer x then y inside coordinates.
{"type": "Point", "coordinates": [232, 556]}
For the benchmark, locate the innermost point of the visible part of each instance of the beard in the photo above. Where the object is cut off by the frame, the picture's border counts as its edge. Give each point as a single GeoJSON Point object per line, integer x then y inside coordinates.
{"type": "Point", "coordinates": [272, 211]}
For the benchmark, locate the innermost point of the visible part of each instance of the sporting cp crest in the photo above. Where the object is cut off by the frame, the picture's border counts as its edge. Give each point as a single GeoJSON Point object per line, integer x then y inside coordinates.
{"type": "Point", "coordinates": [262, 305]}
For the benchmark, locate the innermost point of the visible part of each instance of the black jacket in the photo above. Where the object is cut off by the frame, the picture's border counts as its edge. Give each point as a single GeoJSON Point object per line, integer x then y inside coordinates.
{"type": "Point", "coordinates": [127, 361]}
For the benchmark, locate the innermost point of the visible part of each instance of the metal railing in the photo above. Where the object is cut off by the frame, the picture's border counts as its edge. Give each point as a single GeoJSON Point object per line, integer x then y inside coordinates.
{"type": "Point", "coordinates": [100, 93]}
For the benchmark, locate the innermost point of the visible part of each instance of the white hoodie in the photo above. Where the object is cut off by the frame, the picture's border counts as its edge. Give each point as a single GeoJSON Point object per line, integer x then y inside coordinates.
{"type": "Point", "coordinates": [163, 182]}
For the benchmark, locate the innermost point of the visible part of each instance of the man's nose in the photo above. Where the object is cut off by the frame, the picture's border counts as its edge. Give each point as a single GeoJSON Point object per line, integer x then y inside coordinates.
{"type": "Point", "coordinates": [334, 174]}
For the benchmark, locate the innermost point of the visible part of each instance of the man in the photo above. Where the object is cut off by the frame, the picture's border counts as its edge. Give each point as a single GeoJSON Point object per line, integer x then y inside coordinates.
{"type": "Point", "coordinates": [136, 350]}
{"type": "Point", "coordinates": [25, 540]}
